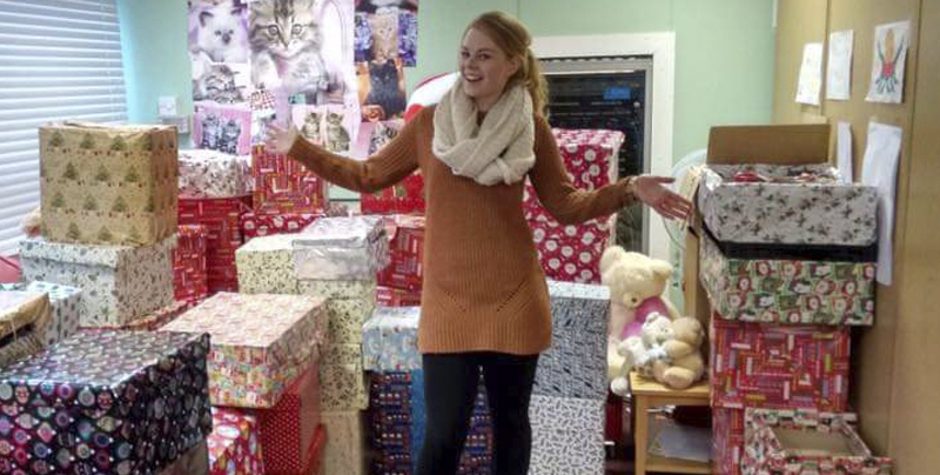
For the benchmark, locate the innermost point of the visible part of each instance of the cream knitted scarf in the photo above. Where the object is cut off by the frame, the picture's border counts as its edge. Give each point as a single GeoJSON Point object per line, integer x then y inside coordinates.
{"type": "Point", "coordinates": [500, 150]}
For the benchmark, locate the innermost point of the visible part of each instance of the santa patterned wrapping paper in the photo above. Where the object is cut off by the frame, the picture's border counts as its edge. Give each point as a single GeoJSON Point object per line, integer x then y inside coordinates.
{"type": "Point", "coordinates": [795, 442]}
{"type": "Point", "coordinates": [404, 197]}
{"type": "Point", "coordinates": [392, 297]}
{"type": "Point", "coordinates": [65, 303]}
{"type": "Point", "coordinates": [343, 387]}
{"type": "Point", "coordinates": [390, 339]}
{"type": "Point", "coordinates": [341, 248]}
{"type": "Point", "coordinates": [235, 443]}
{"type": "Point", "coordinates": [567, 436]}
{"type": "Point", "coordinates": [221, 217]}
{"type": "Point", "coordinates": [24, 317]}
{"type": "Point", "coordinates": [254, 224]}
{"type": "Point", "coordinates": [727, 440]}
{"type": "Point", "coordinates": [345, 451]}
{"type": "Point", "coordinates": [190, 272]}
{"type": "Point", "coordinates": [339, 289]}
{"type": "Point", "coordinates": [283, 185]}
{"type": "Point", "coordinates": [406, 252]}
{"type": "Point", "coordinates": [821, 212]}
{"type": "Point", "coordinates": [120, 283]}
{"type": "Point", "coordinates": [113, 185]}
{"type": "Point", "coordinates": [771, 366]}
{"type": "Point", "coordinates": [266, 266]}
{"type": "Point", "coordinates": [64, 406]}
{"type": "Point", "coordinates": [260, 343]}
{"type": "Point", "coordinates": [213, 174]}
{"type": "Point", "coordinates": [788, 292]}
{"type": "Point", "coordinates": [288, 429]}
{"type": "Point", "coordinates": [572, 253]}
{"type": "Point", "coordinates": [346, 317]}
{"type": "Point", "coordinates": [576, 364]}
{"type": "Point", "coordinates": [224, 128]}
{"type": "Point", "coordinates": [194, 462]}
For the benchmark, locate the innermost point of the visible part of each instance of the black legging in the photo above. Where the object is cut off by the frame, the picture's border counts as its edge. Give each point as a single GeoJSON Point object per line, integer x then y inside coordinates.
{"type": "Point", "coordinates": [451, 383]}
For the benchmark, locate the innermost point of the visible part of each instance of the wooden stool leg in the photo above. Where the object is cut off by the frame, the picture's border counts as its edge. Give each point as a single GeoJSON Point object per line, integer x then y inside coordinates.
{"type": "Point", "coordinates": [641, 437]}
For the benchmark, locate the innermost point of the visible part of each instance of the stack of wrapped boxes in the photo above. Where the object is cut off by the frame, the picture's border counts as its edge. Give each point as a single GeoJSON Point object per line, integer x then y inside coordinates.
{"type": "Point", "coordinates": [570, 391]}
{"type": "Point", "coordinates": [287, 197]}
{"type": "Point", "coordinates": [572, 253]}
{"type": "Point", "coordinates": [190, 269]}
{"type": "Point", "coordinates": [396, 398]}
{"type": "Point", "coordinates": [263, 379]}
{"type": "Point", "coordinates": [400, 282]}
{"type": "Point", "coordinates": [787, 259]}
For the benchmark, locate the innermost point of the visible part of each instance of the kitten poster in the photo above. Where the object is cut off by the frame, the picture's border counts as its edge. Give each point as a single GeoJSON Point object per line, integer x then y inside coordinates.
{"type": "Point", "coordinates": [373, 136]}
{"type": "Point", "coordinates": [887, 74]}
{"type": "Point", "coordinates": [223, 128]}
{"type": "Point", "coordinates": [329, 126]}
{"type": "Point", "coordinates": [386, 29]}
{"type": "Point", "coordinates": [218, 50]}
{"type": "Point", "coordinates": [303, 48]}
{"type": "Point", "coordinates": [222, 83]}
{"type": "Point", "coordinates": [381, 89]}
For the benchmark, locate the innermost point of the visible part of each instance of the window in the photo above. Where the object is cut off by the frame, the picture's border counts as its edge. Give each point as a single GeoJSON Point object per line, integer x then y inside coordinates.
{"type": "Point", "coordinates": [59, 60]}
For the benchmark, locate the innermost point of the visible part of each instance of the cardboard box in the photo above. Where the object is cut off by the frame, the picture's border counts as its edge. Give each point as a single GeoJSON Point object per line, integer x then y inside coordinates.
{"type": "Point", "coordinates": [771, 144]}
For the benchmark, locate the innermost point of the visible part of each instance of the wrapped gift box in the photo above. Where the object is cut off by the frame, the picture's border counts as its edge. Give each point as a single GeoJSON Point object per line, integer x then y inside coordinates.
{"type": "Point", "coordinates": [221, 217]}
{"type": "Point", "coordinates": [392, 297]}
{"type": "Point", "coordinates": [265, 265]}
{"type": "Point", "coordinates": [772, 366]}
{"type": "Point", "coordinates": [153, 384]}
{"type": "Point", "coordinates": [579, 340]}
{"type": "Point", "coordinates": [345, 452]}
{"type": "Point", "coordinates": [194, 462]}
{"type": "Point", "coordinates": [288, 429]}
{"type": "Point", "coordinates": [405, 197]}
{"type": "Point", "coordinates": [121, 283]}
{"type": "Point", "coordinates": [343, 387]}
{"type": "Point", "coordinates": [572, 253]}
{"type": "Point", "coordinates": [254, 224]}
{"type": "Point", "coordinates": [260, 343]}
{"type": "Point", "coordinates": [157, 319]}
{"type": "Point", "coordinates": [315, 461]}
{"type": "Point", "coordinates": [283, 185]}
{"type": "Point", "coordinates": [234, 445]}
{"type": "Point", "coordinates": [346, 317]}
{"type": "Point", "coordinates": [113, 185]}
{"type": "Point", "coordinates": [341, 354]}
{"type": "Point", "coordinates": [390, 339]}
{"type": "Point", "coordinates": [213, 174]}
{"type": "Point", "coordinates": [406, 251]}
{"type": "Point", "coordinates": [24, 317]}
{"type": "Point", "coordinates": [341, 248]}
{"type": "Point", "coordinates": [339, 289]}
{"type": "Point", "coordinates": [805, 205]}
{"type": "Point", "coordinates": [800, 442]}
{"type": "Point", "coordinates": [190, 272]}
{"type": "Point", "coordinates": [727, 440]}
{"type": "Point", "coordinates": [567, 436]}
{"type": "Point", "coordinates": [65, 302]}
{"type": "Point", "coordinates": [788, 291]}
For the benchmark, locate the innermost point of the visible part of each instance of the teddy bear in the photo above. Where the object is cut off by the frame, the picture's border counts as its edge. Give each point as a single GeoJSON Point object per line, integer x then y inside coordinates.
{"type": "Point", "coordinates": [668, 351]}
{"type": "Point", "coordinates": [636, 284]}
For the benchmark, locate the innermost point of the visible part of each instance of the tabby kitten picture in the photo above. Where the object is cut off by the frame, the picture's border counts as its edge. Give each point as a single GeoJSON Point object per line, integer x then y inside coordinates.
{"type": "Point", "coordinates": [386, 88]}
{"type": "Point", "coordinates": [311, 128]}
{"type": "Point", "coordinates": [221, 33]}
{"type": "Point", "coordinates": [218, 84]}
{"type": "Point", "coordinates": [381, 135]}
{"type": "Point", "coordinates": [286, 48]}
{"type": "Point", "coordinates": [230, 134]}
{"type": "Point", "coordinates": [384, 37]}
{"type": "Point", "coordinates": [211, 132]}
{"type": "Point", "coordinates": [336, 135]}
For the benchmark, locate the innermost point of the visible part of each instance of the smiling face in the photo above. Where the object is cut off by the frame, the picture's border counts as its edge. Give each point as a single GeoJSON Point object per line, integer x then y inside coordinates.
{"type": "Point", "coordinates": [485, 68]}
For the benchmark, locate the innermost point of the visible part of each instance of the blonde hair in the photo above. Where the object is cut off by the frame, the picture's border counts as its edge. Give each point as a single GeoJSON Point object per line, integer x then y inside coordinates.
{"type": "Point", "coordinates": [514, 39]}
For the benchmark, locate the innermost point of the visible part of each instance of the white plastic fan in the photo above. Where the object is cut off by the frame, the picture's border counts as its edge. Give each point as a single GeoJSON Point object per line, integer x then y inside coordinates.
{"type": "Point", "coordinates": [676, 229]}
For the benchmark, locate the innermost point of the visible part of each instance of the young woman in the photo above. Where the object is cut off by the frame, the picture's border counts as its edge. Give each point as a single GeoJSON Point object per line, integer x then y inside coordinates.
{"type": "Point", "coordinates": [485, 302]}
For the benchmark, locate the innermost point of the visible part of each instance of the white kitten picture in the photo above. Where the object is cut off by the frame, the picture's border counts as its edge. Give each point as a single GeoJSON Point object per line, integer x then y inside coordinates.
{"type": "Point", "coordinates": [221, 32]}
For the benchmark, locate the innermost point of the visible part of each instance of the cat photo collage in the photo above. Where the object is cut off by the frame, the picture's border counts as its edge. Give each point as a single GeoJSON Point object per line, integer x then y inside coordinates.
{"type": "Point", "coordinates": [386, 42]}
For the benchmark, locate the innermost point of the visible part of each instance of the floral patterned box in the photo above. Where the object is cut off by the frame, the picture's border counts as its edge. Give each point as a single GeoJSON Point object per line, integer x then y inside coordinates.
{"type": "Point", "coordinates": [390, 339]}
{"type": "Point", "coordinates": [567, 436]}
{"type": "Point", "coordinates": [406, 252]}
{"type": "Point", "coordinates": [234, 445]}
{"type": "Point", "coordinates": [800, 442]}
{"type": "Point", "coordinates": [221, 217]}
{"type": "Point", "coordinates": [786, 206]}
{"type": "Point", "coordinates": [572, 253]}
{"type": "Point", "coordinates": [341, 248]}
{"type": "Point", "coordinates": [260, 343]}
{"type": "Point", "coordinates": [112, 185]}
{"type": "Point", "coordinates": [579, 340]}
{"type": "Point", "coordinates": [254, 224]}
{"type": "Point", "coordinates": [213, 174]}
{"type": "Point", "coordinates": [266, 265]}
{"type": "Point", "coordinates": [343, 387]}
{"type": "Point", "coordinates": [788, 291]}
{"type": "Point", "coordinates": [65, 302]}
{"type": "Point", "coordinates": [24, 317]}
{"type": "Point", "coordinates": [727, 440]}
{"type": "Point", "coordinates": [346, 318]}
{"type": "Point", "coordinates": [121, 283]}
{"type": "Point", "coordinates": [154, 385]}
{"type": "Point", "coordinates": [345, 453]}
{"type": "Point", "coordinates": [194, 462]}
{"type": "Point", "coordinates": [283, 185]}
{"type": "Point", "coordinates": [190, 271]}
{"type": "Point", "coordinates": [339, 289]}
{"type": "Point", "coordinates": [773, 366]}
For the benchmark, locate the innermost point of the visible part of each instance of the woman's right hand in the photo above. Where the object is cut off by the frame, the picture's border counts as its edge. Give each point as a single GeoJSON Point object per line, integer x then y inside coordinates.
{"type": "Point", "coordinates": [279, 140]}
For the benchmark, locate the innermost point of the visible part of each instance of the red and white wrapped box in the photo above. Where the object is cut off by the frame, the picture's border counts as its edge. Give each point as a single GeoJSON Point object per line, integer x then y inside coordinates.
{"type": "Point", "coordinates": [283, 185]}
{"type": "Point", "coordinates": [234, 445]}
{"type": "Point", "coordinates": [779, 366]}
{"type": "Point", "coordinates": [288, 428]}
{"type": "Point", "coordinates": [190, 277]}
{"type": "Point", "coordinates": [406, 252]}
{"type": "Point", "coordinates": [254, 224]}
{"type": "Point", "coordinates": [315, 462]}
{"type": "Point", "coordinates": [727, 440]}
{"type": "Point", "coordinates": [405, 197]}
{"type": "Point", "coordinates": [572, 253]}
{"type": "Point", "coordinates": [392, 297]}
{"type": "Point", "coordinates": [221, 216]}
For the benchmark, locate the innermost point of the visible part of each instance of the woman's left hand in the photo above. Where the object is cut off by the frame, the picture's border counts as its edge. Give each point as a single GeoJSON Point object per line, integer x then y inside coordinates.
{"type": "Point", "coordinates": [651, 190]}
